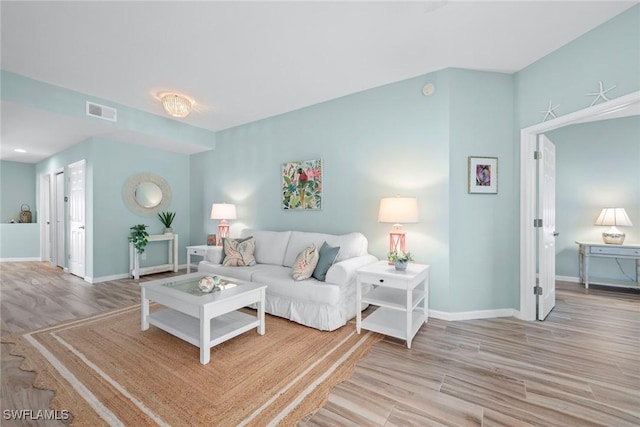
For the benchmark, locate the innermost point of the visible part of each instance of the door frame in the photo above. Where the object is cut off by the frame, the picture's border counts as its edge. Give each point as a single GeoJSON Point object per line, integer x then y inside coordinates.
{"type": "Point", "coordinates": [44, 217]}
{"type": "Point", "coordinates": [528, 188]}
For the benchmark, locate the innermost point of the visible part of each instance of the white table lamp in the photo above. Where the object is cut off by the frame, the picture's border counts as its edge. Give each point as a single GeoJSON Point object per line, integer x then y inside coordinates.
{"type": "Point", "coordinates": [223, 212]}
{"type": "Point", "coordinates": [613, 217]}
{"type": "Point", "coordinates": [398, 211]}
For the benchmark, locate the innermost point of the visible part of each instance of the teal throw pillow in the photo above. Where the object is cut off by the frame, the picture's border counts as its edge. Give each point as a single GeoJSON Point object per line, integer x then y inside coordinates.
{"type": "Point", "coordinates": [328, 255]}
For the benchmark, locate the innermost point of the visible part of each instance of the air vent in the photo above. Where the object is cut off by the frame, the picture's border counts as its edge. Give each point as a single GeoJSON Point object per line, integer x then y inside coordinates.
{"type": "Point", "coordinates": [102, 112]}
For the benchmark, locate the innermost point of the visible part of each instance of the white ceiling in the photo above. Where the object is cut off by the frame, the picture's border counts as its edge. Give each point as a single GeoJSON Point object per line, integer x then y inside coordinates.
{"type": "Point", "coordinates": [244, 61]}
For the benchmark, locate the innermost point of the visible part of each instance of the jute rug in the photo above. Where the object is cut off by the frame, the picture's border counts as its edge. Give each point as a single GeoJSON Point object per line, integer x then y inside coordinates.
{"type": "Point", "coordinates": [106, 371]}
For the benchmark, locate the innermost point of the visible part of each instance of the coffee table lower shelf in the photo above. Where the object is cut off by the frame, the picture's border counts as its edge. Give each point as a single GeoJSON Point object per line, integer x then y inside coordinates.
{"type": "Point", "coordinates": [187, 328]}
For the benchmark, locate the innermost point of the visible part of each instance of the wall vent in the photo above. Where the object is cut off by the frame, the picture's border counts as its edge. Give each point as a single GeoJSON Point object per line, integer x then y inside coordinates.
{"type": "Point", "coordinates": [102, 112]}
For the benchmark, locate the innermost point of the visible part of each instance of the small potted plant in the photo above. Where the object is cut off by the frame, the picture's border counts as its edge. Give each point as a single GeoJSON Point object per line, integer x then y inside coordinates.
{"type": "Point", "coordinates": [138, 237]}
{"type": "Point", "coordinates": [400, 259]}
{"type": "Point", "coordinates": [167, 219]}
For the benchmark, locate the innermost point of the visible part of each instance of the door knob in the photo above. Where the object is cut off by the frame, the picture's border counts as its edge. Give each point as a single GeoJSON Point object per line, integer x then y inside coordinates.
{"type": "Point", "coordinates": [555, 233]}
{"type": "Point", "coordinates": [81, 227]}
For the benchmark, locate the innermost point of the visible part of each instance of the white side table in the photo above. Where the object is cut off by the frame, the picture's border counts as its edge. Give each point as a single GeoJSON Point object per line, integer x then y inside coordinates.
{"type": "Point", "coordinates": [402, 298]}
{"type": "Point", "coordinates": [200, 250]}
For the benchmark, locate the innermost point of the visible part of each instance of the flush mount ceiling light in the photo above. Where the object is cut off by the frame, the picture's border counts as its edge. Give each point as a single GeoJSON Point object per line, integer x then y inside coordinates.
{"type": "Point", "coordinates": [176, 105]}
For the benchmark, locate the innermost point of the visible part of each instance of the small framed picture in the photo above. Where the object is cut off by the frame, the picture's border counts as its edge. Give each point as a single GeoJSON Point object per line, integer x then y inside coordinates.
{"type": "Point", "coordinates": [483, 175]}
{"type": "Point", "coordinates": [211, 240]}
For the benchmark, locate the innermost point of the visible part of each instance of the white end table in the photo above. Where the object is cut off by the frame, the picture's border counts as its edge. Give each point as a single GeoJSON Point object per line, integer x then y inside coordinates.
{"type": "Point", "coordinates": [402, 298]}
{"type": "Point", "coordinates": [200, 250]}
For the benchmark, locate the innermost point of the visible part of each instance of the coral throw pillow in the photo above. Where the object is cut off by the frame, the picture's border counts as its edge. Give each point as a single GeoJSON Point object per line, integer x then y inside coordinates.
{"type": "Point", "coordinates": [239, 253]}
{"type": "Point", "coordinates": [305, 263]}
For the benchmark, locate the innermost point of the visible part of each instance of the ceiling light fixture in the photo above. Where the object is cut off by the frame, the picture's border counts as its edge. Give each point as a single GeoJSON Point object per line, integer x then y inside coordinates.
{"type": "Point", "coordinates": [20, 150]}
{"type": "Point", "coordinates": [176, 105]}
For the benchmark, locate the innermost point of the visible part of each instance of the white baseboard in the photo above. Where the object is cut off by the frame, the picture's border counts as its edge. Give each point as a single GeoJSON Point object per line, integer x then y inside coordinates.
{"type": "Point", "coordinates": [472, 315]}
{"type": "Point", "coordinates": [568, 279]}
{"type": "Point", "coordinates": [106, 278]}
{"type": "Point", "coordinates": [20, 259]}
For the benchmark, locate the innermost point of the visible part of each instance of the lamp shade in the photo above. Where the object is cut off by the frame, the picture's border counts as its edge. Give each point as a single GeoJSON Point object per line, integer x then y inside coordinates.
{"type": "Point", "coordinates": [223, 211]}
{"type": "Point", "coordinates": [614, 216]}
{"type": "Point", "coordinates": [398, 210]}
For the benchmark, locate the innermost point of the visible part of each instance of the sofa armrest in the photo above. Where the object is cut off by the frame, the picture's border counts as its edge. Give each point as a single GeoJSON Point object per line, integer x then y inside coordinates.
{"type": "Point", "coordinates": [344, 272]}
{"type": "Point", "coordinates": [214, 254]}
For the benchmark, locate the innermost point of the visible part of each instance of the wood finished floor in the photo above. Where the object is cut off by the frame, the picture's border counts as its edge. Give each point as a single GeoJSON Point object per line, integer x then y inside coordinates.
{"type": "Point", "coordinates": [580, 367]}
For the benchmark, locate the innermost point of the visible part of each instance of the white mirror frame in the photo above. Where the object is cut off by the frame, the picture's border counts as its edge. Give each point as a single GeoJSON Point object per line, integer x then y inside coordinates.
{"type": "Point", "coordinates": [129, 193]}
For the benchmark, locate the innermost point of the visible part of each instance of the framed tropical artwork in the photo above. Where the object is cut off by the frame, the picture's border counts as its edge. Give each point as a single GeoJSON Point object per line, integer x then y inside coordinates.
{"type": "Point", "coordinates": [483, 175]}
{"type": "Point", "coordinates": [302, 185]}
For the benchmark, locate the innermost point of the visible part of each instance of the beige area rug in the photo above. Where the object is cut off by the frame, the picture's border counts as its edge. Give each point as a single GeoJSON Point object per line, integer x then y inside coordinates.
{"type": "Point", "coordinates": [106, 371]}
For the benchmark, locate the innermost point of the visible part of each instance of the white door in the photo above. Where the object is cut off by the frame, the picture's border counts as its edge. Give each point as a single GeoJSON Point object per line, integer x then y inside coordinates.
{"type": "Point", "coordinates": [77, 184]}
{"type": "Point", "coordinates": [57, 257]}
{"type": "Point", "coordinates": [547, 232]}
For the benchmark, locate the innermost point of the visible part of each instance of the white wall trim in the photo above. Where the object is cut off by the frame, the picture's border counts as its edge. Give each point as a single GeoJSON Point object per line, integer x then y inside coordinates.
{"type": "Point", "coordinates": [472, 315]}
{"type": "Point", "coordinates": [20, 259]}
{"type": "Point", "coordinates": [528, 137]}
{"type": "Point", "coordinates": [107, 278]}
{"type": "Point", "coordinates": [571, 279]}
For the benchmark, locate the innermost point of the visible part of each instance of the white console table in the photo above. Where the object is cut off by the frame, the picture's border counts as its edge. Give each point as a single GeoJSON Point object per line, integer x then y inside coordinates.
{"type": "Point", "coordinates": [592, 249]}
{"type": "Point", "coordinates": [136, 271]}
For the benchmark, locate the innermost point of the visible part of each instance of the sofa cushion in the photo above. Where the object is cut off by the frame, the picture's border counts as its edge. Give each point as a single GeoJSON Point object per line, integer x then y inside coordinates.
{"type": "Point", "coordinates": [238, 252]}
{"type": "Point", "coordinates": [351, 245]}
{"type": "Point", "coordinates": [270, 245]}
{"type": "Point", "coordinates": [280, 283]}
{"type": "Point", "coordinates": [305, 263]}
{"type": "Point", "coordinates": [328, 255]}
{"type": "Point", "coordinates": [233, 273]}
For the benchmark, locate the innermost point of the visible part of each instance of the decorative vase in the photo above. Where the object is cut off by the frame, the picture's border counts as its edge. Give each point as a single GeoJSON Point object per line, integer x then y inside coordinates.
{"type": "Point", "coordinates": [401, 265]}
{"type": "Point", "coordinates": [207, 283]}
{"type": "Point", "coordinates": [168, 230]}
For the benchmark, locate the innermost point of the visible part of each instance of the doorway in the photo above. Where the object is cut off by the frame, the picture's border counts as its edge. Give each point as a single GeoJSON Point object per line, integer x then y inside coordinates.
{"type": "Point", "coordinates": [529, 190]}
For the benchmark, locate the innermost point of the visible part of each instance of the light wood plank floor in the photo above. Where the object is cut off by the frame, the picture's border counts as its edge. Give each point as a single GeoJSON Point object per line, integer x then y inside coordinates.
{"type": "Point", "coordinates": [579, 367]}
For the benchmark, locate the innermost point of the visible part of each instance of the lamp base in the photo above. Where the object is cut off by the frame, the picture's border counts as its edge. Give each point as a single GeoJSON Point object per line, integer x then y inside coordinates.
{"type": "Point", "coordinates": [223, 231]}
{"type": "Point", "coordinates": [613, 236]}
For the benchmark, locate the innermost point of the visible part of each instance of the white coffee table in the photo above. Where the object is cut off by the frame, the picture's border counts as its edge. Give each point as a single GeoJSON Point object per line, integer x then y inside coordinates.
{"type": "Point", "coordinates": [202, 319]}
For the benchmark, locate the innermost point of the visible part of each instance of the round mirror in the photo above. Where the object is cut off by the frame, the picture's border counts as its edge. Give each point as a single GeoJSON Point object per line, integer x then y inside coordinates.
{"type": "Point", "coordinates": [146, 194]}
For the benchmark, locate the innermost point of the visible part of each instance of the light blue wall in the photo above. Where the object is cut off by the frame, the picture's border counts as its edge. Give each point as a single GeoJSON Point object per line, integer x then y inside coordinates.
{"type": "Point", "coordinates": [109, 165]}
{"type": "Point", "coordinates": [19, 242]}
{"type": "Point", "coordinates": [609, 53]}
{"type": "Point", "coordinates": [17, 187]}
{"type": "Point", "coordinates": [382, 142]}
{"type": "Point", "coordinates": [25, 91]}
{"type": "Point", "coordinates": [598, 165]}
{"type": "Point", "coordinates": [484, 227]}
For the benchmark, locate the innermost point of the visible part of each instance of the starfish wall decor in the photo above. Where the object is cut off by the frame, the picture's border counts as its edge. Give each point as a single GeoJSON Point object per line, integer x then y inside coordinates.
{"type": "Point", "coordinates": [549, 112]}
{"type": "Point", "coordinates": [601, 94]}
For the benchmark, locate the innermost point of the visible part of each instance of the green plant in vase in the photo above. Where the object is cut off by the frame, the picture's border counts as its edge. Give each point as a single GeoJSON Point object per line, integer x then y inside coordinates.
{"type": "Point", "coordinates": [400, 259]}
{"type": "Point", "coordinates": [166, 218]}
{"type": "Point", "coordinates": [139, 237]}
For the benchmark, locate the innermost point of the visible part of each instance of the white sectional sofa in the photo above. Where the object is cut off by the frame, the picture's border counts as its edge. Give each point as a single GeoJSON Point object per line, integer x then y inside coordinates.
{"type": "Point", "coordinates": [324, 305]}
